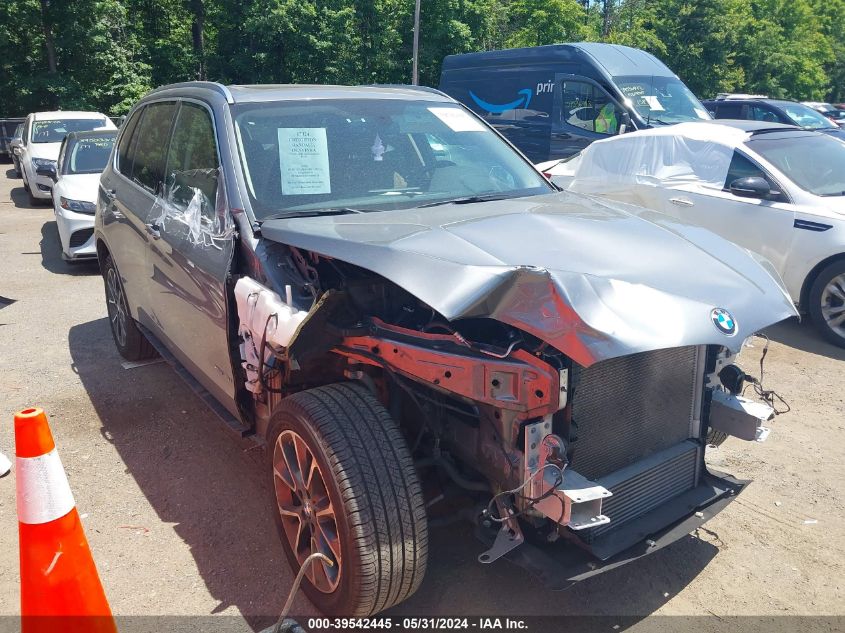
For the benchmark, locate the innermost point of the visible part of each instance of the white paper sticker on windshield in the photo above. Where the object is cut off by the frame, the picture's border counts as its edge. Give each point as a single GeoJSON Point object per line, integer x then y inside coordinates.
{"type": "Point", "coordinates": [653, 103]}
{"type": "Point", "coordinates": [458, 120]}
{"type": "Point", "coordinates": [701, 114]}
{"type": "Point", "coordinates": [304, 161]}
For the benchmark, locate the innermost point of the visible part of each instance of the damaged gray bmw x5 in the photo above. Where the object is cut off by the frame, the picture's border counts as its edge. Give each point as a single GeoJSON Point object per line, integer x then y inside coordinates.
{"type": "Point", "coordinates": [375, 284]}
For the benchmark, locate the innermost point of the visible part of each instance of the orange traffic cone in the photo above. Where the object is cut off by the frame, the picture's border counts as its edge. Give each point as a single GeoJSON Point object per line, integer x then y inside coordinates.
{"type": "Point", "coordinates": [60, 588]}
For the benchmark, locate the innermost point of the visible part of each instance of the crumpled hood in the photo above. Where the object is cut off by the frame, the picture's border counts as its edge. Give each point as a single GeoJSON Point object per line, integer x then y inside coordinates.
{"type": "Point", "coordinates": [594, 279]}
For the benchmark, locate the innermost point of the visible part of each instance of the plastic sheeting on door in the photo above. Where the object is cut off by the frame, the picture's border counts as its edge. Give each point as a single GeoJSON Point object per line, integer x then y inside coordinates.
{"type": "Point", "coordinates": [675, 155]}
{"type": "Point", "coordinates": [205, 224]}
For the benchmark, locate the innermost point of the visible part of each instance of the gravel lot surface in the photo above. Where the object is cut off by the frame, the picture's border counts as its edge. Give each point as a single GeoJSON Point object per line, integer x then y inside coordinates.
{"type": "Point", "coordinates": [176, 509]}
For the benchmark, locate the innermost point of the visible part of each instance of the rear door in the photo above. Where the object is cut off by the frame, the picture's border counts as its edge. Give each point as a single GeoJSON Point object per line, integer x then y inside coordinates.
{"type": "Point", "coordinates": [191, 254]}
{"type": "Point", "coordinates": [128, 194]}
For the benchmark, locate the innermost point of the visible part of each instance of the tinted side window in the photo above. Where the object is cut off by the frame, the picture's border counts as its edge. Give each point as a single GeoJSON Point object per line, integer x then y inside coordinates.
{"type": "Point", "coordinates": [760, 113]}
{"type": "Point", "coordinates": [742, 167]}
{"type": "Point", "coordinates": [150, 148]}
{"type": "Point", "coordinates": [729, 111]}
{"type": "Point", "coordinates": [589, 108]}
{"type": "Point", "coordinates": [124, 160]}
{"type": "Point", "coordinates": [192, 158]}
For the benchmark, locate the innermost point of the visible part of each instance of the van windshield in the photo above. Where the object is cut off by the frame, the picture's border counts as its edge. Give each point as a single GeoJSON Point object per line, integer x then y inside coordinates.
{"type": "Point", "coordinates": [373, 155]}
{"type": "Point", "coordinates": [661, 100]}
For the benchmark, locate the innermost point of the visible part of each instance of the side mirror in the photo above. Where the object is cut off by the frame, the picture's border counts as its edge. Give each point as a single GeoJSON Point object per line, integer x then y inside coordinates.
{"type": "Point", "coordinates": [625, 123]}
{"type": "Point", "coordinates": [751, 187]}
{"type": "Point", "coordinates": [49, 171]}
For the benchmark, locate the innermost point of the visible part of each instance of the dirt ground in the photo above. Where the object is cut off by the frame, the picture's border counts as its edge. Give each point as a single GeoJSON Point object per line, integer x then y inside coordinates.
{"type": "Point", "coordinates": [175, 508]}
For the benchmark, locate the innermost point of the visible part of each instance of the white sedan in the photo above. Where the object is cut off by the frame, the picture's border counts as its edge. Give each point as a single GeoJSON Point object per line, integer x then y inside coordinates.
{"type": "Point", "coordinates": [775, 189]}
{"type": "Point", "coordinates": [82, 158]}
{"type": "Point", "coordinates": [42, 136]}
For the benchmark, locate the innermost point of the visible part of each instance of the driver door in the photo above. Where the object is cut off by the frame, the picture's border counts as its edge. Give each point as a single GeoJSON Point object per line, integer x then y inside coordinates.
{"type": "Point", "coordinates": [191, 252]}
{"type": "Point", "coordinates": [584, 112]}
{"type": "Point", "coordinates": [764, 226]}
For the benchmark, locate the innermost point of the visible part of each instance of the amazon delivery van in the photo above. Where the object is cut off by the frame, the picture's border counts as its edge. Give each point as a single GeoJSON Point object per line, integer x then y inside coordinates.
{"type": "Point", "coordinates": [552, 101]}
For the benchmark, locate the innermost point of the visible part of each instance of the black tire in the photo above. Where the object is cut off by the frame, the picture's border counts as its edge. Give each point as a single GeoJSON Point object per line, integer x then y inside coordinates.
{"type": "Point", "coordinates": [377, 505]}
{"type": "Point", "coordinates": [825, 293]}
{"type": "Point", "coordinates": [716, 438]}
{"type": "Point", "coordinates": [131, 343]}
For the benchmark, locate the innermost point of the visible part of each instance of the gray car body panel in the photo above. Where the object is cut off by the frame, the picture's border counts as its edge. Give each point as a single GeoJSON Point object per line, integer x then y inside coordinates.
{"type": "Point", "coordinates": [595, 280]}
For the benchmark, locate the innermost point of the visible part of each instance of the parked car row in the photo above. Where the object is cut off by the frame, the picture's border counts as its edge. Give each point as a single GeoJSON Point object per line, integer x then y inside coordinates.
{"type": "Point", "coordinates": [60, 155]}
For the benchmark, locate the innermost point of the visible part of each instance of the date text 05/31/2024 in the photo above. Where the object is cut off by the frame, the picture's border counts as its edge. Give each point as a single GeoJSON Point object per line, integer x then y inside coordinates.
{"type": "Point", "coordinates": [406, 624]}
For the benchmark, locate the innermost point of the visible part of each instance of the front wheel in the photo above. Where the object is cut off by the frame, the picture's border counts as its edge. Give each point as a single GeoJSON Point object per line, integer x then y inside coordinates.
{"type": "Point", "coordinates": [827, 303]}
{"type": "Point", "coordinates": [345, 486]}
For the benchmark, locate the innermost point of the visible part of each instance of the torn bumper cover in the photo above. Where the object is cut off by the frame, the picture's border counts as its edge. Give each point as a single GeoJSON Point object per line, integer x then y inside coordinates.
{"type": "Point", "coordinates": [590, 278]}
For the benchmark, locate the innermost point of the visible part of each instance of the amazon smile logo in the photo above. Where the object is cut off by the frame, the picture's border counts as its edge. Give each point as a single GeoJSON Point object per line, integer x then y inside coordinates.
{"type": "Point", "coordinates": [498, 108]}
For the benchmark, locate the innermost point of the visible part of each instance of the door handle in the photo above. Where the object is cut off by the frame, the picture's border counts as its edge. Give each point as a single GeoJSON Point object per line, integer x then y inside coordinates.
{"type": "Point", "coordinates": [682, 202]}
{"type": "Point", "coordinates": [154, 230]}
{"type": "Point", "coordinates": [110, 193]}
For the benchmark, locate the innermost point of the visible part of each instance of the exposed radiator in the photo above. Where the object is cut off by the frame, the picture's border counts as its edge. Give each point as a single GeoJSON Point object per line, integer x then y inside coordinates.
{"type": "Point", "coordinates": [633, 419]}
{"type": "Point", "coordinates": [627, 408]}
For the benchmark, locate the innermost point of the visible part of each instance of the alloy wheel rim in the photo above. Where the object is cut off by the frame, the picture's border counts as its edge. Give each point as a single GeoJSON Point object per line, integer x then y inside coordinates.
{"type": "Point", "coordinates": [307, 513]}
{"type": "Point", "coordinates": [116, 306]}
{"type": "Point", "coordinates": [833, 304]}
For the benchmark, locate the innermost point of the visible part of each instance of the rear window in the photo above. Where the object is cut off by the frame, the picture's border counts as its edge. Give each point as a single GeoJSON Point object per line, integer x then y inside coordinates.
{"type": "Point", "coordinates": [55, 130]}
{"type": "Point", "coordinates": [88, 155]}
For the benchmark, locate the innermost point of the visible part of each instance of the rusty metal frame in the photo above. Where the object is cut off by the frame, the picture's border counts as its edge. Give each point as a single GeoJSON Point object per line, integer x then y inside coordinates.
{"type": "Point", "coordinates": [519, 382]}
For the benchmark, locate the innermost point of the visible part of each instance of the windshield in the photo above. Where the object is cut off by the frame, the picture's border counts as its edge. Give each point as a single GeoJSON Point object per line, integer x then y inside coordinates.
{"type": "Point", "coordinates": [88, 155]}
{"type": "Point", "coordinates": [662, 99]}
{"type": "Point", "coordinates": [806, 117]}
{"type": "Point", "coordinates": [373, 155]}
{"type": "Point", "coordinates": [816, 162]}
{"type": "Point", "coordinates": [54, 131]}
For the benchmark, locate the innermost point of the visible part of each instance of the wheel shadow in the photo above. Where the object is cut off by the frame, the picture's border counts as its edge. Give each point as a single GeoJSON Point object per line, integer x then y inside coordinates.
{"type": "Point", "coordinates": [804, 336]}
{"type": "Point", "coordinates": [51, 255]}
{"type": "Point", "coordinates": [10, 174]}
{"type": "Point", "coordinates": [212, 489]}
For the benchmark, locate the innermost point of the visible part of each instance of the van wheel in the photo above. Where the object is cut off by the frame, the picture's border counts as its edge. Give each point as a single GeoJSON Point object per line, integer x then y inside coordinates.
{"type": "Point", "coordinates": [345, 486]}
{"type": "Point", "coordinates": [128, 339]}
{"type": "Point", "coordinates": [827, 303]}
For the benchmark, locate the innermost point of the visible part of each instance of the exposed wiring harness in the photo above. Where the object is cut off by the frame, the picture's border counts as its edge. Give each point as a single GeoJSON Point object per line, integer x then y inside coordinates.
{"type": "Point", "coordinates": [769, 396]}
{"type": "Point", "coordinates": [530, 501]}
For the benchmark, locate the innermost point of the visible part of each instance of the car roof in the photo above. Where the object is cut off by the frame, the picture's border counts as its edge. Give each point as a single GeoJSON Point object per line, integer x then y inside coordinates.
{"type": "Point", "coordinates": [775, 102]}
{"type": "Point", "coordinates": [298, 92]}
{"type": "Point", "coordinates": [75, 136]}
{"type": "Point", "coordinates": [754, 127]}
{"type": "Point", "coordinates": [66, 114]}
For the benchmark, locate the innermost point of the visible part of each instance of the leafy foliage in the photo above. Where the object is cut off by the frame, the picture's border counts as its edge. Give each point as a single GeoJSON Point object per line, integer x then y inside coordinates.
{"type": "Point", "coordinates": [104, 54]}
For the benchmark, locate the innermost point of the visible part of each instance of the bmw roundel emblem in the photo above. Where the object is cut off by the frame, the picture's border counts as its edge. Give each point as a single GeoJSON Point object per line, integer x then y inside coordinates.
{"type": "Point", "coordinates": [723, 321]}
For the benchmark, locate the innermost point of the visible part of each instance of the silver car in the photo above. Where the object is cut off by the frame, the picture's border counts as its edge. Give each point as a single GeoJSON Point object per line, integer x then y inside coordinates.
{"type": "Point", "coordinates": [373, 284]}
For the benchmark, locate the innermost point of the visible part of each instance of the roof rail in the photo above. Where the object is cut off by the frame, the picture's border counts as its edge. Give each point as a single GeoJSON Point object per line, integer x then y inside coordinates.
{"type": "Point", "coordinates": [724, 96]}
{"type": "Point", "coordinates": [207, 85]}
